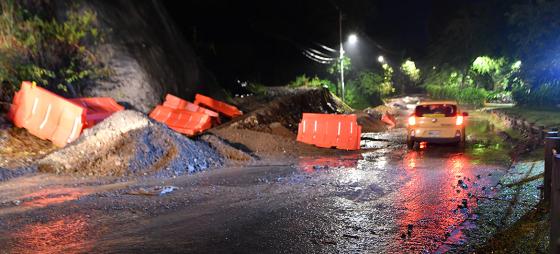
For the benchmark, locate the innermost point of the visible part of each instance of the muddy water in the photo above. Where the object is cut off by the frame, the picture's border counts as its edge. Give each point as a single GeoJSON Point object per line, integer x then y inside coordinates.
{"type": "Point", "coordinates": [384, 199]}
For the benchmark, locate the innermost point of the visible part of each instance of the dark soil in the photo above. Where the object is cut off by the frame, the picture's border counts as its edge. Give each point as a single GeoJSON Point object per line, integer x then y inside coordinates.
{"type": "Point", "coordinates": [18, 148]}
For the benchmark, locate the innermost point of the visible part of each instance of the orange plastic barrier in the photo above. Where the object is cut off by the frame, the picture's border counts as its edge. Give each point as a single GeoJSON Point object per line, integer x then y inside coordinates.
{"type": "Point", "coordinates": [183, 121]}
{"type": "Point", "coordinates": [47, 115]}
{"type": "Point", "coordinates": [389, 119]}
{"type": "Point", "coordinates": [175, 102]}
{"type": "Point", "coordinates": [329, 130]}
{"type": "Point", "coordinates": [222, 107]}
{"type": "Point", "coordinates": [16, 101]}
{"type": "Point", "coordinates": [98, 108]}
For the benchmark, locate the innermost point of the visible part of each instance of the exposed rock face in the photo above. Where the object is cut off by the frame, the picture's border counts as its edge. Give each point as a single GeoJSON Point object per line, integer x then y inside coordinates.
{"type": "Point", "coordinates": [147, 55]}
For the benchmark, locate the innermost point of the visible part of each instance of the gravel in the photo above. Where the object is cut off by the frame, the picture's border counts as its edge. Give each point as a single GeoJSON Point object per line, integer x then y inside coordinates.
{"type": "Point", "coordinates": [129, 143]}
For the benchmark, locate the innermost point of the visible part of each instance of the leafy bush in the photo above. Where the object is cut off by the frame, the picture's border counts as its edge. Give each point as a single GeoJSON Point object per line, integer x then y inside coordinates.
{"type": "Point", "coordinates": [544, 95]}
{"type": "Point", "coordinates": [304, 81]}
{"type": "Point", "coordinates": [256, 88]}
{"type": "Point", "coordinates": [53, 53]}
{"type": "Point", "coordinates": [467, 95]}
{"type": "Point", "coordinates": [368, 89]}
{"type": "Point", "coordinates": [500, 97]}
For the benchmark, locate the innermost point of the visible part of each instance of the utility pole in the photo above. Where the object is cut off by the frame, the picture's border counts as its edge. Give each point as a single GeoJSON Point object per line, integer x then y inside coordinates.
{"type": "Point", "coordinates": [341, 53]}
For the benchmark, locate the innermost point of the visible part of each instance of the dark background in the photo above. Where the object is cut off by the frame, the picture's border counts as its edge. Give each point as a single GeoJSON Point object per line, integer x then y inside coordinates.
{"type": "Point", "coordinates": [262, 41]}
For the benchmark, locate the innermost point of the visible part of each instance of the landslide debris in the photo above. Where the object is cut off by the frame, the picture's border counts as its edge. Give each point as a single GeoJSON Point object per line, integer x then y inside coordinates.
{"type": "Point", "coordinates": [129, 143]}
{"type": "Point", "coordinates": [287, 109]}
{"type": "Point", "coordinates": [19, 148]}
{"type": "Point", "coordinates": [269, 129]}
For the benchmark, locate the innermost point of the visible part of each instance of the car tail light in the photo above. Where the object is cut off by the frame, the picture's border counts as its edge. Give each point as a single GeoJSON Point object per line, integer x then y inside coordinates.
{"type": "Point", "coordinates": [459, 120]}
{"type": "Point", "coordinates": [412, 121]}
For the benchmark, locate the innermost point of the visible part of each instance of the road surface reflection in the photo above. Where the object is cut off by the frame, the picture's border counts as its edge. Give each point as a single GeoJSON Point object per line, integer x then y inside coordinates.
{"type": "Point", "coordinates": [438, 198]}
{"type": "Point", "coordinates": [70, 234]}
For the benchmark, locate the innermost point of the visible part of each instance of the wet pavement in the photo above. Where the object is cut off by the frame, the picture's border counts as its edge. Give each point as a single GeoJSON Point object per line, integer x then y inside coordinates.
{"type": "Point", "coordinates": [384, 199]}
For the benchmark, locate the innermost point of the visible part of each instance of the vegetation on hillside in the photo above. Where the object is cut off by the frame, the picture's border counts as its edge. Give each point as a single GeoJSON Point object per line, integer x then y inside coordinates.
{"type": "Point", "coordinates": [53, 51]}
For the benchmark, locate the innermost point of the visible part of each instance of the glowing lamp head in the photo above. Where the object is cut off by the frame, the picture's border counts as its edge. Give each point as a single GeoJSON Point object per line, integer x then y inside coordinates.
{"type": "Point", "coordinates": [352, 39]}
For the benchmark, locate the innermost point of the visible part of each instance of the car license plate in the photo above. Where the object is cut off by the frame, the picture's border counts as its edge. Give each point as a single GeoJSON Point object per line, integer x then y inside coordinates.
{"type": "Point", "coordinates": [433, 133]}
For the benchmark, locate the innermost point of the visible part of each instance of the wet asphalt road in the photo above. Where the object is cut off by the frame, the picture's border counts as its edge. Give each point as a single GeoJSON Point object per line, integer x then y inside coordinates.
{"type": "Point", "coordinates": [384, 199]}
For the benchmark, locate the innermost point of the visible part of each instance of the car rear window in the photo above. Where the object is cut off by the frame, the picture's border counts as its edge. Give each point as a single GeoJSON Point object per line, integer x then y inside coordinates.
{"type": "Point", "coordinates": [441, 110]}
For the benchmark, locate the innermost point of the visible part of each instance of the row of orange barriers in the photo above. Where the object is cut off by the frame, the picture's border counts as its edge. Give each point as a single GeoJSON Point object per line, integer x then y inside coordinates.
{"type": "Point", "coordinates": [330, 131]}
{"type": "Point", "coordinates": [192, 118]}
{"type": "Point", "coordinates": [50, 116]}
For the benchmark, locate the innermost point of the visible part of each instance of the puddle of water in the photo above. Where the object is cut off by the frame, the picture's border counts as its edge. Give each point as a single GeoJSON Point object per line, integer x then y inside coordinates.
{"type": "Point", "coordinates": [443, 183]}
{"type": "Point", "coordinates": [484, 145]}
{"type": "Point", "coordinates": [314, 164]}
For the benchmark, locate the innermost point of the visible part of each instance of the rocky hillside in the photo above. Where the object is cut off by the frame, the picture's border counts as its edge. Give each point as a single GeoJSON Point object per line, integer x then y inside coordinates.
{"type": "Point", "coordinates": [147, 55]}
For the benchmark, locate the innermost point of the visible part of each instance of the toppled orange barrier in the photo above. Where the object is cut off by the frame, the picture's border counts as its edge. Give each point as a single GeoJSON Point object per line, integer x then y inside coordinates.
{"type": "Point", "coordinates": [192, 118]}
{"type": "Point", "coordinates": [216, 105]}
{"type": "Point", "coordinates": [330, 131]}
{"type": "Point", "coordinates": [98, 109]}
{"type": "Point", "coordinates": [47, 115]}
{"type": "Point", "coordinates": [389, 120]}
{"type": "Point", "coordinates": [183, 116]}
{"type": "Point", "coordinates": [175, 102]}
{"type": "Point", "coordinates": [181, 120]}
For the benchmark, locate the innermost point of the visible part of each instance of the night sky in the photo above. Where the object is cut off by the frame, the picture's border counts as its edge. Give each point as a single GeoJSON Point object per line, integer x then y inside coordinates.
{"type": "Point", "coordinates": [262, 41]}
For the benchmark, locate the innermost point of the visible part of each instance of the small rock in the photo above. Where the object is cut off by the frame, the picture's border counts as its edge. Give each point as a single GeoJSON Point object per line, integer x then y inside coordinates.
{"type": "Point", "coordinates": [351, 236]}
{"type": "Point", "coordinates": [16, 202]}
{"type": "Point", "coordinates": [464, 203]}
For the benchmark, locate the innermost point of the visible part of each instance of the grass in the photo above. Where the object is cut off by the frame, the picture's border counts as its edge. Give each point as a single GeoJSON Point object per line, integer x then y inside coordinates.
{"type": "Point", "coordinates": [500, 125]}
{"type": "Point", "coordinates": [547, 117]}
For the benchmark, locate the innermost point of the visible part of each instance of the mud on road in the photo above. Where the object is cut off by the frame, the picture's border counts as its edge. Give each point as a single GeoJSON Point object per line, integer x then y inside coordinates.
{"type": "Point", "coordinates": [381, 199]}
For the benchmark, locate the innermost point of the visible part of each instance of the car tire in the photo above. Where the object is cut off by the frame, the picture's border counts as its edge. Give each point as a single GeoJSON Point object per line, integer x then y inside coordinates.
{"type": "Point", "coordinates": [461, 143]}
{"type": "Point", "coordinates": [409, 143]}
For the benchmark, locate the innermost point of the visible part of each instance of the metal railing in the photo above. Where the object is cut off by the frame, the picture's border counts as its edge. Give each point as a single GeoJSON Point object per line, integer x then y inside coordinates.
{"type": "Point", "coordinates": [551, 187]}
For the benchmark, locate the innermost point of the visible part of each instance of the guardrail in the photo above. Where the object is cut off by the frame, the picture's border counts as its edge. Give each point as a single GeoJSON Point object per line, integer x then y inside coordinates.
{"type": "Point", "coordinates": [551, 186]}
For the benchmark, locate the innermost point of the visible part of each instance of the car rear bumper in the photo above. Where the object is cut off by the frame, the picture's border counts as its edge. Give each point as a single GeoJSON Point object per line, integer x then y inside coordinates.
{"type": "Point", "coordinates": [436, 140]}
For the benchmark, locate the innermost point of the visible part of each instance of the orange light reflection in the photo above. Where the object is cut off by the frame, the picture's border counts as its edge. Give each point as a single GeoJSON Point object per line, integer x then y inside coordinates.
{"type": "Point", "coordinates": [430, 198]}
{"type": "Point", "coordinates": [68, 235]}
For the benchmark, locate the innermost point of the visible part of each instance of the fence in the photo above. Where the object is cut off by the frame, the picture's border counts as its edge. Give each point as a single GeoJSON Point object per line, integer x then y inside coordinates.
{"type": "Point", "coordinates": [551, 187]}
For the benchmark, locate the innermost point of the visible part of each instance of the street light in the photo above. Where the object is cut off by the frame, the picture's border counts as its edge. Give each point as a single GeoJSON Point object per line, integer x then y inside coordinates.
{"type": "Point", "coordinates": [381, 59]}
{"type": "Point", "coordinates": [352, 39]}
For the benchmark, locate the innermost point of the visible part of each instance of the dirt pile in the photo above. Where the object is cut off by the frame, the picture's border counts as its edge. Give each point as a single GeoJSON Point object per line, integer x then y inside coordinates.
{"type": "Point", "coordinates": [371, 122]}
{"type": "Point", "coordinates": [18, 148]}
{"type": "Point", "coordinates": [287, 110]}
{"type": "Point", "coordinates": [227, 150]}
{"type": "Point", "coordinates": [128, 143]}
{"type": "Point", "coordinates": [270, 127]}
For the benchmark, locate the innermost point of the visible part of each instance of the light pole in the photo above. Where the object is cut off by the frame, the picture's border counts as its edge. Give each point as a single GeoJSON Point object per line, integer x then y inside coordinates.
{"type": "Point", "coordinates": [352, 39]}
{"type": "Point", "coordinates": [341, 53]}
